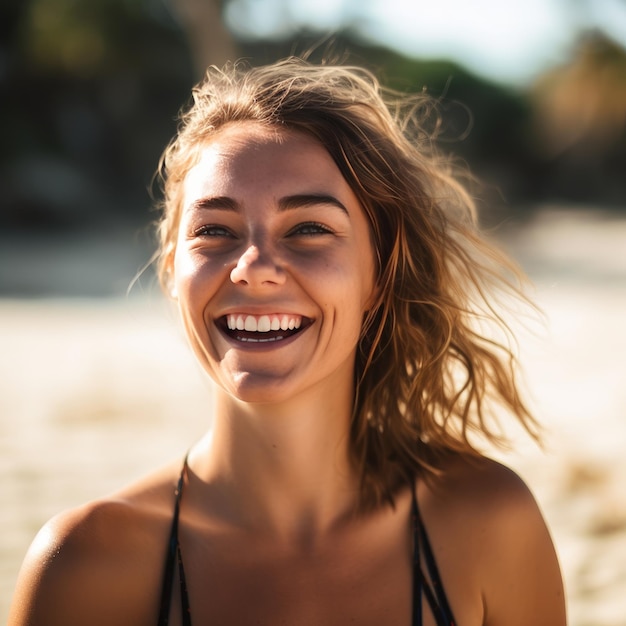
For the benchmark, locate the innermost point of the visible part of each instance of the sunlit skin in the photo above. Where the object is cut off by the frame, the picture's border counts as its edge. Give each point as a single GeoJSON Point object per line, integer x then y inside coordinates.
{"type": "Point", "coordinates": [273, 272]}
{"type": "Point", "coordinates": [271, 229]}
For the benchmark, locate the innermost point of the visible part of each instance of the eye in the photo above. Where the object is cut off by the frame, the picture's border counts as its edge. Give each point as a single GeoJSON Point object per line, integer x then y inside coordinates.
{"type": "Point", "coordinates": [309, 229]}
{"type": "Point", "coordinates": [212, 230]}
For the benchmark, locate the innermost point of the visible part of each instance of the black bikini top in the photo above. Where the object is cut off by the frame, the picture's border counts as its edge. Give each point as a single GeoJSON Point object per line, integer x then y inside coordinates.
{"type": "Point", "coordinates": [429, 587]}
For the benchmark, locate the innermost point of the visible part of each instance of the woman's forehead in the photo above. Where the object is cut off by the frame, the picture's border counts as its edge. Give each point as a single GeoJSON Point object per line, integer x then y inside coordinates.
{"type": "Point", "coordinates": [243, 153]}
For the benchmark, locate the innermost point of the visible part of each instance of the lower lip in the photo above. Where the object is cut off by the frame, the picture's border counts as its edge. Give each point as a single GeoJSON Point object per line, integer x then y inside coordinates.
{"type": "Point", "coordinates": [261, 344]}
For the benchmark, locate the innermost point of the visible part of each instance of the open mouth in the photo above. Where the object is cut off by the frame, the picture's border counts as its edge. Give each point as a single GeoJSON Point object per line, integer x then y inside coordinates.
{"type": "Point", "coordinates": [262, 328]}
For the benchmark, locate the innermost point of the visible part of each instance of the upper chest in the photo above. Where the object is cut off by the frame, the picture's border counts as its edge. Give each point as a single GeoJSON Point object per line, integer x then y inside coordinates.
{"type": "Point", "coordinates": [364, 578]}
{"type": "Point", "coordinates": [363, 575]}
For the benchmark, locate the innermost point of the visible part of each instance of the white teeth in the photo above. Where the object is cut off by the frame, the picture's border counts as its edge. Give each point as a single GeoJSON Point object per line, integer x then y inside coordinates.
{"type": "Point", "coordinates": [234, 323]}
{"type": "Point", "coordinates": [263, 323]}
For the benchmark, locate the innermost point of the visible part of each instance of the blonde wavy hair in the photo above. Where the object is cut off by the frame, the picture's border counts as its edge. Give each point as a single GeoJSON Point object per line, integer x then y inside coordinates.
{"type": "Point", "coordinates": [435, 356]}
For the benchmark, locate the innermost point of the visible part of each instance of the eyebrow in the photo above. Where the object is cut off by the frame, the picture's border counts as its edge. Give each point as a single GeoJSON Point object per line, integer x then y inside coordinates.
{"type": "Point", "coordinates": [222, 203]}
{"type": "Point", "coordinates": [288, 203]}
{"type": "Point", "coordinates": [302, 201]}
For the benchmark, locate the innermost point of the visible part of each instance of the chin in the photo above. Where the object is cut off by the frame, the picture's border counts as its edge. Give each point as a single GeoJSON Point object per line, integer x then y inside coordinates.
{"type": "Point", "coordinates": [254, 388]}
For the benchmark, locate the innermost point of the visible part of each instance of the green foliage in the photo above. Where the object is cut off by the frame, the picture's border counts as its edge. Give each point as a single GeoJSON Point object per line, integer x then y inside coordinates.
{"type": "Point", "coordinates": [483, 123]}
{"type": "Point", "coordinates": [91, 88]}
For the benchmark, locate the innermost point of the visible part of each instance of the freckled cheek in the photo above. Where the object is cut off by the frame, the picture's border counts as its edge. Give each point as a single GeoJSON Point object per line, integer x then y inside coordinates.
{"type": "Point", "coordinates": [345, 291]}
{"type": "Point", "coordinates": [196, 286]}
{"type": "Point", "coordinates": [185, 271]}
{"type": "Point", "coordinates": [195, 277]}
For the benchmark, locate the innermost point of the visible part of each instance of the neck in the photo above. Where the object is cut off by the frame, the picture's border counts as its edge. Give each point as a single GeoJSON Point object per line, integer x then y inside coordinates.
{"type": "Point", "coordinates": [281, 468]}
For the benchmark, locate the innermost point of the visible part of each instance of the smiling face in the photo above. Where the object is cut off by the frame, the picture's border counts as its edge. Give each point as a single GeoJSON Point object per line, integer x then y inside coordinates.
{"type": "Point", "coordinates": [274, 266]}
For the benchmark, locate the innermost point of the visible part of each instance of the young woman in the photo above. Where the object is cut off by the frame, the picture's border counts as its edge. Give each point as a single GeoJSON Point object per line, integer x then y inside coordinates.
{"type": "Point", "coordinates": [332, 283]}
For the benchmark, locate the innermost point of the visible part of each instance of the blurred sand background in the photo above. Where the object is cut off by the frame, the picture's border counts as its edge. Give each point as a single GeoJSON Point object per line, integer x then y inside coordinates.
{"type": "Point", "coordinates": [97, 391]}
{"type": "Point", "coordinates": [98, 387]}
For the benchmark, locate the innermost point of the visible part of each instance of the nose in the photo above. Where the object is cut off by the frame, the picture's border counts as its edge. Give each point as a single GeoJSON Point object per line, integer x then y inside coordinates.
{"type": "Point", "coordinates": [257, 268]}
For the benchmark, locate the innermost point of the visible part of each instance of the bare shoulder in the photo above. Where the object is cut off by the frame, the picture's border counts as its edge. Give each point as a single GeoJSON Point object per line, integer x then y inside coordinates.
{"type": "Point", "coordinates": [100, 563]}
{"type": "Point", "coordinates": [491, 517]}
{"type": "Point", "coordinates": [481, 487]}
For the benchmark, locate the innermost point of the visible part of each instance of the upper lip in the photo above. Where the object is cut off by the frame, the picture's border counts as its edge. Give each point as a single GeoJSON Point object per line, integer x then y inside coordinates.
{"type": "Point", "coordinates": [258, 311]}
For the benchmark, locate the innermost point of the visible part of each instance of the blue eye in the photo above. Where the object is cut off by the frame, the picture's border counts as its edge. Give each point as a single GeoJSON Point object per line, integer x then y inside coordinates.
{"type": "Point", "coordinates": [310, 229]}
{"type": "Point", "coordinates": [212, 230]}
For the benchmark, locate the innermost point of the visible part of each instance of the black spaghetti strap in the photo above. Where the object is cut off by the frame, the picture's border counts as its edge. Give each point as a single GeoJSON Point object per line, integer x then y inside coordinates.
{"type": "Point", "coordinates": [184, 596]}
{"type": "Point", "coordinates": [418, 582]}
{"type": "Point", "coordinates": [431, 588]}
{"type": "Point", "coordinates": [173, 554]}
{"type": "Point", "coordinates": [437, 585]}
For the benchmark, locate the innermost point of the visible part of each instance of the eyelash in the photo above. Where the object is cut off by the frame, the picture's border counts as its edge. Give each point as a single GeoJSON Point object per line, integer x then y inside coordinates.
{"type": "Point", "coordinates": [209, 230]}
{"type": "Point", "coordinates": [311, 228]}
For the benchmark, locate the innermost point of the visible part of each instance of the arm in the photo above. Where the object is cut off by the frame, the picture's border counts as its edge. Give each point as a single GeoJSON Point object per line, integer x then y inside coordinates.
{"type": "Point", "coordinates": [522, 579]}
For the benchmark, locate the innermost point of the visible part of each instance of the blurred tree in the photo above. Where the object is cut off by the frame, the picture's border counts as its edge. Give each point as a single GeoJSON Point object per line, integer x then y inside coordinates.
{"type": "Point", "coordinates": [90, 92]}
{"type": "Point", "coordinates": [580, 121]}
{"type": "Point", "coordinates": [211, 42]}
{"type": "Point", "coordinates": [88, 89]}
{"type": "Point", "coordinates": [478, 121]}
{"type": "Point", "coordinates": [582, 106]}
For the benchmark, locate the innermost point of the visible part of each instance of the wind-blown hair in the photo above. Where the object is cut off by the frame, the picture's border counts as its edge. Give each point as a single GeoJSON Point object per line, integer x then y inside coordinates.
{"type": "Point", "coordinates": [434, 357]}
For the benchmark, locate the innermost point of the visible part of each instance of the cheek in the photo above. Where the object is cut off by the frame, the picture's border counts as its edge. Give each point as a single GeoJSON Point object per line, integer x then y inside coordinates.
{"type": "Point", "coordinates": [192, 281]}
{"type": "Point", "coordinates": [190, 269]}
{"type": "Point", "coordinates": [187, 276]}
{"type": "Point", "coordinates": [348, 286]}
{"type": "Point", "coordinates": [182, 262]}
{"type": "Point", "coordinates": [194, 286]}
{"type": "Point", "coordinates": [368, 280]}
{"type": "Point", "coordinates": [366, 265]}
{"type": "Point", "coordinates": [351, 298]}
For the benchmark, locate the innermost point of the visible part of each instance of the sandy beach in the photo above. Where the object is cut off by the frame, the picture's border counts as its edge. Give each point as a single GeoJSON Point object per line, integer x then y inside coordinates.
{"type": "Point", "coordinates": [97, 391]}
